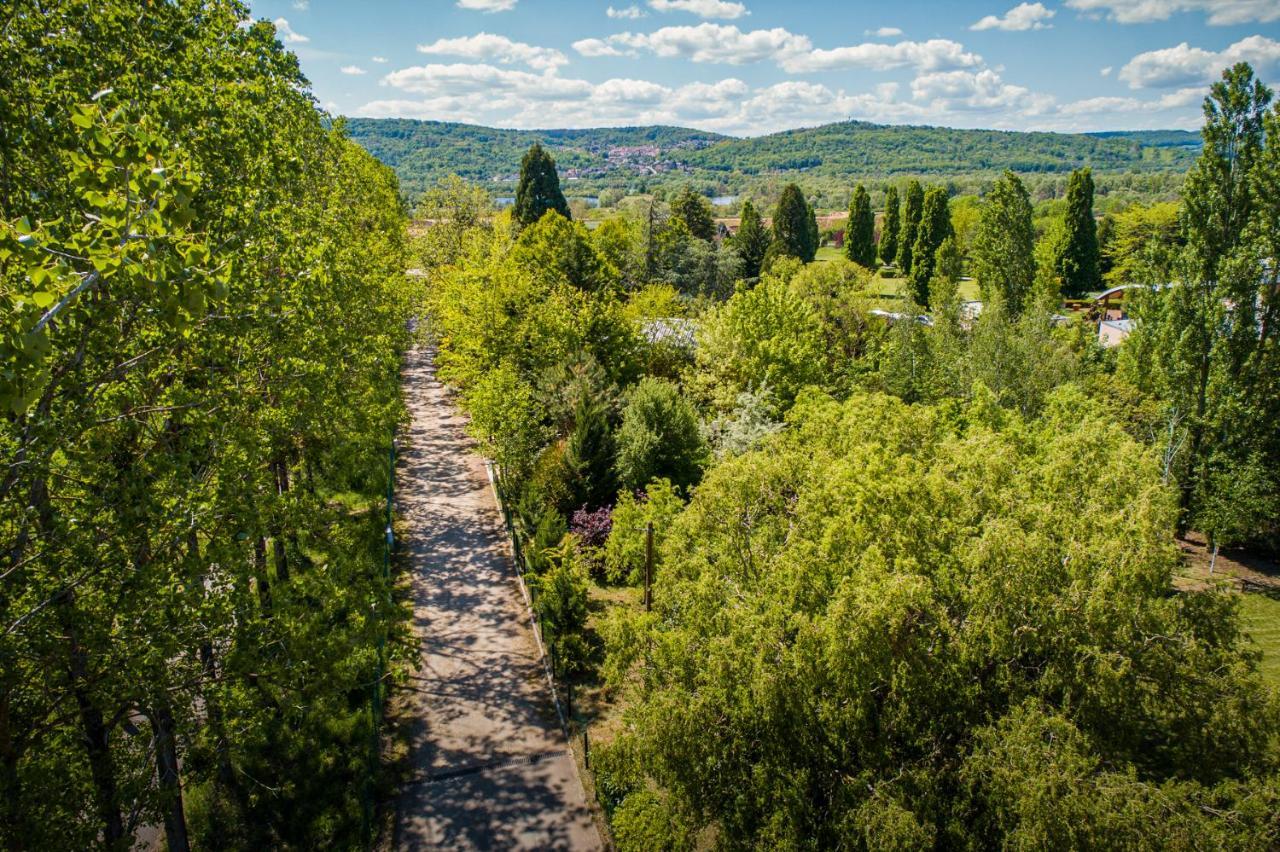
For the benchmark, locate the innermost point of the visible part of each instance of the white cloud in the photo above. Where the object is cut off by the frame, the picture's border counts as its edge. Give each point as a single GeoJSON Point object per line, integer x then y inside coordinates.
{"type": "Point", "coordinates": [1105, 72]}
{"type": "Point", "coordinates": [976, 91]}
{"type": "Point", "coordinates": [723, 43]}
{"type": "Point", "coordinates": [592, 47]}
{"type": "Point", "coordinates": [701, 8]}
{"type": "Point", "coordinates": [1184, 65]}
{"type": "Point", "coordinates": [487, 6]}
{"type": "Point", "coordinates": [1024, 16]}
{"type": "Point", "coordinates": [1219, 12]}
{"type": "Point", "coordinates": [302, 5]}
{"type": "Point", "coordinates": [932, 55]}
{"type": "Point", "coordinates": [286, 33]}
{"type": "Point", "coordinates": [455, 80]}
{"type": "Point", "coordinates": [1172, 101]}
{"type": "Point", "coordinates": [353, 70]}
{"type": "Point", "coordinates": [381, 60]}
{"type": "Point", "coordinates": [497, 48]}
{"type": "Point", "coordinates": [629, 13]}
{"type": "Point", "coordinates": [884, 32]}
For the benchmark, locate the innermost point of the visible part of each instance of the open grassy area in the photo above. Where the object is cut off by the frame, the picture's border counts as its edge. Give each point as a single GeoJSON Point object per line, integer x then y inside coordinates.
{"type": "Point", "coordinates": [1261, 612]}
{"type": "Point", "coordinates": [891, 288]}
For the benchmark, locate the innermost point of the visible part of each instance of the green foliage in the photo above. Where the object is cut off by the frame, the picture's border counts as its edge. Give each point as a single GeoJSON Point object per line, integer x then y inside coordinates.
{"type": "Point", "coordinates": [624, 554]}
{"type": "Point", "coordinates": [794, 228]}
{"type": "Point", "coordinates": [860, 232]}
{"type": "Point", "coordinates": [890, 227]}
{"type": "Point", "coordinates": [659, 437]}
{"type": "Point", "coordinates": [560, 601]}
{"type": "Point", "coordinates": [1077, 261]}
{"type": "Point", "coordinates": [538, 191]}
{"type": "Point", "coordinates": [752, 241]}
{"type": "Point", "coordinates": [1004, 244]}
{"type": "Point", "coordinates": [589, 456]}
{"type": "Point", "coordinates": [556, 251]}
{"type": "Point", "coordinates": [695, 212]}
{"type": "Point", "coordinates": [912, 210]}
{"type": "Point", "coordinates": [1145, 245]}
{"type": "Point", "coordinates": [935, 227]}
{"type": "Point", "coordinates": [453, 213]}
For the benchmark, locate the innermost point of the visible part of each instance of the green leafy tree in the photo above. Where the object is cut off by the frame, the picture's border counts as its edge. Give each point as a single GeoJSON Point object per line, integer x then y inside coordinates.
{"type": "Point", "coordinates": [935, 227]}
{"type": "Point", "coordinates": [539, 188]}
{"type": "Point", "coordinates": [1003, 249]}
{"type": "Point", "coordinates": [912, 210]}
{"type": "Point", "coordinates": [794, 228]}
{"type": "Point", "coordinates": [752, 241]}
{"type": "Point", "coordinates": [860, 231]}
{"type": "Point", "coordinates": [624, 554]}
{"type": "Point", "coordinates": [1077, 263]}
{"type": "Point", "coordinates": [691, 208]}
{"type": "Point", "coordinates": [891, 227]}
{"type": "Point", "coordinates": [1147, 242]}
{"type": "Point", "coordinates": [453, 212]}
{"type": "Point", "coordinates": [659, 437]}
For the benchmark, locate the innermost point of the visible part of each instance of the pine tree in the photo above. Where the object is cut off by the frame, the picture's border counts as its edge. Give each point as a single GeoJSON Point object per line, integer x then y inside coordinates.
{"type": "Point", "coordinates": [860, 232]}
{"type": "Point", "coordinates": [1077, 262]}
{"type": "Point", "coordinates": [889, 229]}
{"type": "Point", "coordinates": [751, 241]}
{"type": "Point", "coordinates": [912, 210]}
{"type": "Point", "coordinates": [935, 227]}
{"type": "Point", "coordinates": [1003, 247]}
{"type": "Point", "coordinates": [794, 226]}
{"type": "Point", "coordinates": [692, 209]}
{"type": "Point", "coordinates": [589, 456]}
{"type": "Point", "coordinates": [539, 188]}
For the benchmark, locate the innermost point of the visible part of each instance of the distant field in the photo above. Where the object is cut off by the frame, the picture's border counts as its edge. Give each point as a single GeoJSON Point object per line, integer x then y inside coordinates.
{"type": "Point", "coordinates": [1261, 614]}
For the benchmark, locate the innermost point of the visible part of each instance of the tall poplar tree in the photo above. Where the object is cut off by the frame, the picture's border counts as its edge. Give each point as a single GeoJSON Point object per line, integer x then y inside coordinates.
{"type": "Point", "coordinates": [1003, 247]}
{"type": "Point", "coordinates": [539, 188]}
{"type": "Point", "coordinates": [912, 209]}
{"type": "Point", "coordinates": [691, 208]}
{"type": "Point", "coordinates": [890, 227]}
{"type": "Point", "coordinates": [751, 241]}
{"type": "Point", "coordinates": [1077, 263]}
{"type": "Point", "coordinates": [860, 231]}
{"type": "Point", "coordinates": [935, 227]}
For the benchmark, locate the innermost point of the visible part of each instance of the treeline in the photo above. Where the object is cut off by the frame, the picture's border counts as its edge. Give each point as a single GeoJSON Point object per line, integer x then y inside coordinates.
{"type": "Point", "coordinates": [913, 579]}
{"type": "Point", "coordinates": [203, 306]}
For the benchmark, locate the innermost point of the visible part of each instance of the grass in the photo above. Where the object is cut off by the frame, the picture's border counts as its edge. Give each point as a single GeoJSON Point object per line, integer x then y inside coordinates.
{"type": "Point", "coordinates": [892, 288]}
{"type": "Point", "coordinates": [1261, 614]}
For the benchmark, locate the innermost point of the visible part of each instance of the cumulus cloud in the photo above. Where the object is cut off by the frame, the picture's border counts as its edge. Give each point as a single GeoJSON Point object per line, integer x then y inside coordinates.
{"type": "Point", "coordinates": [442, 81]}
{"type": "Point", "coordinates": [1024, 16]}
{"type": "Point", "coordinates": [353, 70]}
{"type": "Point", "coordinates": [1184, 65]}
{"type": "Point", "coordinates": [496, 48]}
{"type": "Point", "coordinates": [381, 60]}
{"type": "Point", "coordinates": [701, 8]}
{"type": "Point", "coordinates": [487, 6]}
{"type": "Point", "coordinates": [977, 91]}
{"type": "Point", "coordinates": [1219, 12]}
{"type": "Point", "coordinates": [286, 33]}
{"type": "Point", "coordinates": [629, 13]}
{"type": "Point", "coordinates": [1096, 106]}
{"type": "Point", "coordinates": [723, 43]}
{"type": "Point", "coordinates": [592, 47]}
{"type": "Point", "coordinates": [932, 55]}
{"type": "Point", "coordinates": [884, 32]}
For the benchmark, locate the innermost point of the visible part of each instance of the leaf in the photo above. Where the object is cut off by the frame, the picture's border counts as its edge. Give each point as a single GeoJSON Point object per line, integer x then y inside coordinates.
{"type": "Point", "coordinates": [43, 298]}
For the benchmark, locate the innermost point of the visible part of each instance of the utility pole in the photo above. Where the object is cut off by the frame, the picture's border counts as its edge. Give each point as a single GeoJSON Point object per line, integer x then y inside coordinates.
{"type": "Point", "coordinates": [648, 566]}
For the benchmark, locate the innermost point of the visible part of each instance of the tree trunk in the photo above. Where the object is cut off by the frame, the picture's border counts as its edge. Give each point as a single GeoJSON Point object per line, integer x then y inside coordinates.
{"type": "Point", "coordinates": [94, 731]}
{"type": "Point", "coordinates": [175, 820]}
{"type": "Point", "coordinates": [14, 824]}
{"type": "Point", "coordinates": [279, 551]}
{"type": "Point", "coordinates": [1213, 560]}
{"type": "Point", "coordinates": [260, 573]}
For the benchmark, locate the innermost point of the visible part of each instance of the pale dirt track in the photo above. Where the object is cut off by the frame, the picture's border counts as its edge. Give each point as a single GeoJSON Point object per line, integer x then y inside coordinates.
{"type": "Point", "coordinates": [491, 767]}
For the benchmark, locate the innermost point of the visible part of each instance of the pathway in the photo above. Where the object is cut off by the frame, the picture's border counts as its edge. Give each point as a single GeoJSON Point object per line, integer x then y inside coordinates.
{"type": "Point", "coordinates": [492, 769]}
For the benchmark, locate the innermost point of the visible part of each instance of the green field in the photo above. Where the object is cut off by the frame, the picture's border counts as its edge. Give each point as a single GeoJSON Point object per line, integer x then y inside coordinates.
{"type": "Point", "coordinates": [1261, 614]}
{"type": "Point", "coordinates": [891, 288]}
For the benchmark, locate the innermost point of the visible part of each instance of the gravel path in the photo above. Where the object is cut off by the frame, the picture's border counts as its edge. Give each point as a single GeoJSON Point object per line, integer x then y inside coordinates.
{"type": "Point", "coordinates": [492, 769]}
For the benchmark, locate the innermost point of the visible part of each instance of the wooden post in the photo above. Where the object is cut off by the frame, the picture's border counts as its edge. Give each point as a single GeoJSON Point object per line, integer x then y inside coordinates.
{"type": "Point", "coordinates": [648, 566]}
{"type": "Point", "coordinates": [586, 749]}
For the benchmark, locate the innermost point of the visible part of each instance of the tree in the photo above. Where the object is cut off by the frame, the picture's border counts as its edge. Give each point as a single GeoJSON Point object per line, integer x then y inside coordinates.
{"type": "Point", "coordinates": [589, 456]}
{"type": "Point", "coordinates": [889, 229]}
{"type": "Point", "coordinates": [694, 211]}
{"type": "Point", "coordinates": [752, 241]}
{"type": "Point", "coordinates": [1146, 244]}
{"type": "Point", "coordinates": [539, 188]}
{"type": "Point", "coordinates": [659, 437]}
{"type": "Point", "coordinates": [948, 263]}
{"type": "Point", "coordinates": [624, 555]}
{"type": "Point", "coordinates": [1003, 250]}
{"type": "Point", "coordinates": [912, 210]}
{"type": "Point", "coordinates": [860, 232]}
{"type": "Point", "coordinates": [1077, 262]}
{"type": "Point", "coordinates": [455, 210]}
{"type": "Point", "coordinates": [935, 227]}
{"type": "Point", "coordinates": [794, 229]}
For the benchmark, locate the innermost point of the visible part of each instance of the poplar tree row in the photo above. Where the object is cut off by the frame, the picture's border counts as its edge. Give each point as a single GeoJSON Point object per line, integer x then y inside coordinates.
{"type": "Point", "coordinates": [201, 310]}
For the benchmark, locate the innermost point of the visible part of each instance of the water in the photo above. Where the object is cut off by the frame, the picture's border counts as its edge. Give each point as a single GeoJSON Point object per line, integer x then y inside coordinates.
{"type": "Point", "coordinates": [724, 200]}
{"type": "Point", "coordinates": [507, 200]}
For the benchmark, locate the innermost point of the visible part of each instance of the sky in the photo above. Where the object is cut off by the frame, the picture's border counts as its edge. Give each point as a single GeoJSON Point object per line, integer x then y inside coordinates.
{"type": "Point", "coordinates": [749, 67]}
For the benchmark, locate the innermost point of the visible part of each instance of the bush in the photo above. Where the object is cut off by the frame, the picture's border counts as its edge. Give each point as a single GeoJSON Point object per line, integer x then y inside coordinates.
{"type": "Point", "coordinates": [659, 504]}
{"type": "Point", "coordinates": [660, 437]}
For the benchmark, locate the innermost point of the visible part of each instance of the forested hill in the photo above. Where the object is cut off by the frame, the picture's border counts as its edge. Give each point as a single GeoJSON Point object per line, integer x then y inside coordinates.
{"type": "Point", "coordinates": [423, 151]}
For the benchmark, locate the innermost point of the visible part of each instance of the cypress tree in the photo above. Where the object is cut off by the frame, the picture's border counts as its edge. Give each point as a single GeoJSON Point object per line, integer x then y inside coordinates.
{"type": "Point", "coordinates": [860, 232]}
{"type": "Point", "coordinates": [889, 230]}
{"type": "Point", "coordinates": [539, 188]}
{"type": "Point", "coordinates": [1077, 264]}
{"type": "Point", "coordinates": [912, 210]}
{"type": "Point", "coordinates": [1004, 243]}
{"type": "Point", "coordinates": [751, 241]}
{"type": "Point", "coordinates": [935, 227]}
{"type": "Point", "coordinates": [692, 209]}
{"type": "Point", "coordinates": [794, 226]}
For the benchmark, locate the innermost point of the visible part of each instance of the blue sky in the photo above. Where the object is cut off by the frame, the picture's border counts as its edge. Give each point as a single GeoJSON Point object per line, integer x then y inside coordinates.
{"type": "Point", "coordinates": [747, 67]}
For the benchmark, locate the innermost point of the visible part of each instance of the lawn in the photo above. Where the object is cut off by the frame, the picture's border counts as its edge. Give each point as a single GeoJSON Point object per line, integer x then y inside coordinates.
{"type": "Point", "coordinates": [1261, 612]}
{"type": "Point", "coordinates": [891, 288]}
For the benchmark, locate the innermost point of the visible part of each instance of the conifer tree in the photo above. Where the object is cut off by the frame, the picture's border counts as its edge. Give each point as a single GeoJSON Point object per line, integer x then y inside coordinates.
{"type": "Point", "coordinates": [589, 456]}
{"type": "Point", "coordinates": [890, 228]}
{"type": "Point", "coordinates": [860, 232]}
{"type": "Point", "coordinates": [1003, 248]}
{"type": "Point", "coordinates": [751, 241]}
{"type": "Point", "coordinates": [692, 209]}
{"type": "Point", "coordinates": [935, 227]}
{"type": "Point", "coordinates": [1077, 261]}
{"type": "Point", "coordinates": [794, 227]}
{"type": "Point", "coordinates": [912, 209]}
{"type": "Point", "coordinates": [539, 188]}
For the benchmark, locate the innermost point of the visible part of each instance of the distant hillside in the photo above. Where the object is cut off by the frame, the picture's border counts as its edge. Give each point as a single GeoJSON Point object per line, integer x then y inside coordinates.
{"type": "Point", "coordinates": [423, 151]}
